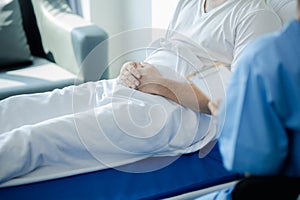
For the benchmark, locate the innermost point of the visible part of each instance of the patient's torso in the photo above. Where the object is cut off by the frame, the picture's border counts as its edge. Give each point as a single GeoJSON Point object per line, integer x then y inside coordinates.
{"type": "Point", "coordinates": [196, 38]}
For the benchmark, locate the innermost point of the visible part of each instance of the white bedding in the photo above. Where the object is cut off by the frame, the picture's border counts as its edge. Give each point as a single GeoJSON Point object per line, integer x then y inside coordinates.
{"type": "Point", "coordinates": [117, 131]}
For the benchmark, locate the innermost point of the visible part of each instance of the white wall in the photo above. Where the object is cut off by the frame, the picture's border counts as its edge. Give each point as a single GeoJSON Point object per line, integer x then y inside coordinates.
{"type": "Point", "coordinates": [162, 12]}
{"type": "Point", "coordinates": [128, 24]}
{"type": "Point", "coordinates": [117, 17]}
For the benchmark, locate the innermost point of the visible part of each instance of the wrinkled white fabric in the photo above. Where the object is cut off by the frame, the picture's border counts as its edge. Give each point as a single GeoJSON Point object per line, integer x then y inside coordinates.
{"type": "Point", "coordinates": [82, 130]}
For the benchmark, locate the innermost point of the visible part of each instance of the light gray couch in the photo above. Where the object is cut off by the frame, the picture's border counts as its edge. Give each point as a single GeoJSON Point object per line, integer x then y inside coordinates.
{"type": "Point", "coordinates": [51, 52]}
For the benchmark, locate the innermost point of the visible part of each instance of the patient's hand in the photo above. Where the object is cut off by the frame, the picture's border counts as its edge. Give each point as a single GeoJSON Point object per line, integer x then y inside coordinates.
{"type": "Point", "coordinates": [151, 80]}
{"type": "Point", "coordinates": [214, 108]}
{"type": "Point", "coordinates": [141, 76]}
{"type": "Point", "coordinates": [129, 75]}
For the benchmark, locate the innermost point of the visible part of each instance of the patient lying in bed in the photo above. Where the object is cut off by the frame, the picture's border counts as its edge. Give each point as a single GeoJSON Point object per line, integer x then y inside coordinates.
{"type": "Point", "coordinates": [150, 110]}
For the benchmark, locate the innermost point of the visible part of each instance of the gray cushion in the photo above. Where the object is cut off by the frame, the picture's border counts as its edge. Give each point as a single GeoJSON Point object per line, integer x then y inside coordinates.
{"type": "Point", "coordinates": [41, 76]}
{"type": "Point", "coordinates": [14, 49]}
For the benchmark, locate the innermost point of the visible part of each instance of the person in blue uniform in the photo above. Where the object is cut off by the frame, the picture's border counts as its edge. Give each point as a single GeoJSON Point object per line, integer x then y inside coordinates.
{"type": "Point", "coordinates": [259, 120]}
{"type": "Point", "coordinates": [261, 114]}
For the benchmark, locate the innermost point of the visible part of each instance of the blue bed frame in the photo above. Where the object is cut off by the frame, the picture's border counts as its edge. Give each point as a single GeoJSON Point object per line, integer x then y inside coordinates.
{"type": "Point", "coordinates": [185, 174]}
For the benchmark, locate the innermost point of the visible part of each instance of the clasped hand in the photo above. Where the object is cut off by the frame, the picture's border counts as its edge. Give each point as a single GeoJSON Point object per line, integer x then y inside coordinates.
{"type": "Point", "coordinates": [140, 76]}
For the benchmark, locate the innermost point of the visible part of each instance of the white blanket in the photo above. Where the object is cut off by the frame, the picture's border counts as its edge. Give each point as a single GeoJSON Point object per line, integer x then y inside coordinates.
{"type": "Point", "coordinates": [116, 130]}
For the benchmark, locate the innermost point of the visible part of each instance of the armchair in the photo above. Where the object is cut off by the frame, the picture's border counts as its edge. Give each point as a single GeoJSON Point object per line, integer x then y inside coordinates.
{"type": "Point", "coordinates": [54, 44]}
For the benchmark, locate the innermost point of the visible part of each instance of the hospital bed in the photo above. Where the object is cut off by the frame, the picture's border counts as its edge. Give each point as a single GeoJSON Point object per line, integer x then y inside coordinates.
{"type": "Point", "coordinates": [184, 177]}
{"type": "Point", "coordinates": [181, 174]}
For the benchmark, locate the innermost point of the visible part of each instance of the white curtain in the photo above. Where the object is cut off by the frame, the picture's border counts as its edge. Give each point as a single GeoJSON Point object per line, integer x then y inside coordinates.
{"type": "Point", "coordinates": [76, 6]}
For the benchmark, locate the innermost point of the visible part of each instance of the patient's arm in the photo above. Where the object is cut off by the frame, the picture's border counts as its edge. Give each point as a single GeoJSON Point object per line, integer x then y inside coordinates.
{"type": "Point", "coordinates": [146, 78]}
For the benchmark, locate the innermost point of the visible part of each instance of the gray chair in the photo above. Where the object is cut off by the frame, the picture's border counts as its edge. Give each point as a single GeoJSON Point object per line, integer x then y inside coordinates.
{"type": "Point", "coordinates": [60, 43]}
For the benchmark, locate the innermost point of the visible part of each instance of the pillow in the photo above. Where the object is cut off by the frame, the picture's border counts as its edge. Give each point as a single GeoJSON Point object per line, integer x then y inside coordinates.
{"type": "Point", "coordinates": [14, 49]}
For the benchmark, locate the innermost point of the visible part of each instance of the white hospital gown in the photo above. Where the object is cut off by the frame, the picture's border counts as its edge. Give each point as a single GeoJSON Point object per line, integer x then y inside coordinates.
{"type": "Point", "coordinates": [103, 124]}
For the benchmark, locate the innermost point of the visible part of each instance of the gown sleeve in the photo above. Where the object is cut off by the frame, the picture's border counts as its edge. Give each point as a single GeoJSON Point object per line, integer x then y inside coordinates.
{"type": "Point", "coordinates": [252, 26]}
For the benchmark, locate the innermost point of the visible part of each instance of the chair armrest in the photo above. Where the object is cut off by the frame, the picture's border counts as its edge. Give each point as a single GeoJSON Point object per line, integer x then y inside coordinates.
{"type": "Point", "coordinates": [68, 39]}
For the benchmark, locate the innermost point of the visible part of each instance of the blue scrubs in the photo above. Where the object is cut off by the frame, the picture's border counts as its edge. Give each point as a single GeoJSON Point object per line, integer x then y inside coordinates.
{"type": "Point", "coordinates": [259, 122]}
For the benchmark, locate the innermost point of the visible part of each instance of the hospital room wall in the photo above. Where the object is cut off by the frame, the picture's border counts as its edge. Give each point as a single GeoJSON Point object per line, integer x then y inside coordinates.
{"type": "Point", "coordinates": [127, 22]}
